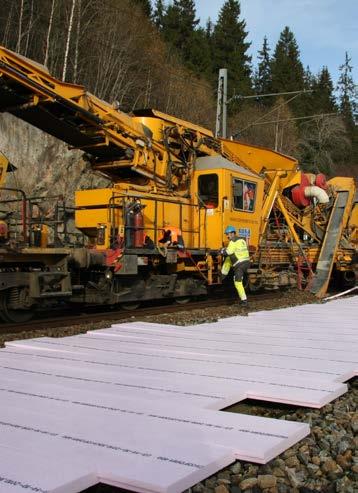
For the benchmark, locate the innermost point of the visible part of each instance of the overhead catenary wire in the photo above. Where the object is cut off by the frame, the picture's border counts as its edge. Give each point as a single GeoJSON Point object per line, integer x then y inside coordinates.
{"type": "Point", "coordinates": [257, 96]}
{"type": "Point", "coordinates": [318, 115]}
{"type": "Point", "coordinates": [273, 110]}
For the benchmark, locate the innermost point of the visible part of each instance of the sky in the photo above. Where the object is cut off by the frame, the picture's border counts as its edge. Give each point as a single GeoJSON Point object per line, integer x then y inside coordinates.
{"type": "Point", "coordinates": [324, 29]}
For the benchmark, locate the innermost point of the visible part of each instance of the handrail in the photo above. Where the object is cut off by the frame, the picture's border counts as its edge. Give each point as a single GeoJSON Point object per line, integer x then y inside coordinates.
{"type": "Point", "coordinates": [23, 209]}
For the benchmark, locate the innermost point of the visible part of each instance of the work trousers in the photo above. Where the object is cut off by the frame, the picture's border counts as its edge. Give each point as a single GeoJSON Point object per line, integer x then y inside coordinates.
{"type": "Point", "coordinates": [239, 270]}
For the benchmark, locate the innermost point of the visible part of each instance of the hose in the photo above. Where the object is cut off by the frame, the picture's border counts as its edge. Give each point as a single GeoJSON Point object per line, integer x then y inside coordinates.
{"type": "Point", "coordinates": [317, 193]}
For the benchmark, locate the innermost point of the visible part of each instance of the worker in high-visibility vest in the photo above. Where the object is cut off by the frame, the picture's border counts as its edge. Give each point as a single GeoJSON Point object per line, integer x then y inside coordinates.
{"type": "Point", "coordinates": [237, 257]}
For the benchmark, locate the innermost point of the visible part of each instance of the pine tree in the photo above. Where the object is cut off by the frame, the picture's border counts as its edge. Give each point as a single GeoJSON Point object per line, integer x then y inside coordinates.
{"type": "Point", "coordinates": [187, 11]}
{"type": "Point", "coordinates": [209, 28]}
{"type": "Point", "coordinates": [348, 98]}
{"type": "Point", "coordinates": [179, 29]}
{"type": "Point", "coordinates": [287, 68]}
{"type": "Point", "coordinates": [323, 97]}
{"type": "Point", "coordinates": [170, 29]}
{"type": "Point", "coordinates": [199, 60]}
{"type": "Point", "coordinates": [263, 77]}
{"type": "Point", "coordinates": [307, 101]}
{"type": "Point", "coordinates": [347, 94]}
{"type": "Point", "coordinates": [158, 14]}
{"type": "Point", "coordinates": [179, 24]}
{"type": "Point", "coordinates": [230, 48]}
{"type": "Point", "coordinates": [309, 79]}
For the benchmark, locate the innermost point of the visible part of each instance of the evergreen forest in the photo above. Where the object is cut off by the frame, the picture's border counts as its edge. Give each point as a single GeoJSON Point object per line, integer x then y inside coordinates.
{"type": "Point", "coordinates": [142, 53]}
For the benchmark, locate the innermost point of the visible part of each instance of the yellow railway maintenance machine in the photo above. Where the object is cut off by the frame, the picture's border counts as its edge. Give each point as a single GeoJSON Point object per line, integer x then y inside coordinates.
{"type": "Point", "coordinates": [169, 176]}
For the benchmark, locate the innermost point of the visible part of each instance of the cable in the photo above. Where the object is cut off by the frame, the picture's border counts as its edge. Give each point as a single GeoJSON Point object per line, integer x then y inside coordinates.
{"type": "Point", "coordinates": [266, 114]}
{"type": "Point", "coordinates": [298, 118]}
{"type": "Point", "coordinates": [256, 96]}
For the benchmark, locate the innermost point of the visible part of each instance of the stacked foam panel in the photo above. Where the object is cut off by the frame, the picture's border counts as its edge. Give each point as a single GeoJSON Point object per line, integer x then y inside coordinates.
{"type": "Point", "coordinates": [139, 405]}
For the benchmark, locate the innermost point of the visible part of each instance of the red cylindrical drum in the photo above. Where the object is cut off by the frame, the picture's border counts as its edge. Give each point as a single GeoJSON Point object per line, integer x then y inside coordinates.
{"type": "Point", "coordinates": [298, 196]}
{"type": "Point", "coordinates": [321, 181]}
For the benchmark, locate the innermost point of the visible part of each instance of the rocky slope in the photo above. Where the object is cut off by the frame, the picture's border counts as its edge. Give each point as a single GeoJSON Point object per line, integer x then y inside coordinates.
{"type": "Point", "coordinates": [46, 166]}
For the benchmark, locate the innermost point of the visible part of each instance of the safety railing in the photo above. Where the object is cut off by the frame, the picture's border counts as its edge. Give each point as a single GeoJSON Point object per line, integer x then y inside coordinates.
{"type": "Point", "coordinates": [151, 222]}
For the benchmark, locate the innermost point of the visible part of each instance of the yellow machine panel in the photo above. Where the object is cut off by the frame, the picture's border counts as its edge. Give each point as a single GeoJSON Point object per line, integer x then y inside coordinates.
{"type": "Point", "coordinates": [113, 208]}
{"type": "Point", "coordinates": [3, 169]}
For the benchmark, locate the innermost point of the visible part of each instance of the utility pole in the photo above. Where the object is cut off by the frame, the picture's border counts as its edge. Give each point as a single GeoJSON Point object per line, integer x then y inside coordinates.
{"type": "Point", "coordinates": [220, 129]}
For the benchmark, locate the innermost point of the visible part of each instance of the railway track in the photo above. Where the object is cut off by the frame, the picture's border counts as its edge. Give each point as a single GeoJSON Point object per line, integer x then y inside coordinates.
{"type": "Point", "coordinates": [66, 320]}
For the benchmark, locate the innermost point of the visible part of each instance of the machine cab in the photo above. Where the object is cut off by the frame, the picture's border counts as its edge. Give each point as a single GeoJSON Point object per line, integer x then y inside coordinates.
{"type": "Point", "coordinates": [231, 195]}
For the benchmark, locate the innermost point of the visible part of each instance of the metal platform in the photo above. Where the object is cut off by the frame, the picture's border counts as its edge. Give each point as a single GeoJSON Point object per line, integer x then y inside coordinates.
{"type": "Point", "coordinates": [138, 405]}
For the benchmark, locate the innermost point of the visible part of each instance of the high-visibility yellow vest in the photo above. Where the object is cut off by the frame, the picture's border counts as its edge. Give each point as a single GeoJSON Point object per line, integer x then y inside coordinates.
{"type": "Point", "coordinates": [237, 251]}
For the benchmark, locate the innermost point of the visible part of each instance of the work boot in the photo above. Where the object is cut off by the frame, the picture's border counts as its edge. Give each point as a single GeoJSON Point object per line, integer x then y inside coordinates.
{"type": "Point", "coordinates": [243, 302]}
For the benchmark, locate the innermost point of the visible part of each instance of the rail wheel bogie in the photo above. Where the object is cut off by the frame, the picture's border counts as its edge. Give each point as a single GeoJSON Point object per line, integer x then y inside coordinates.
{"type": "Point", "coordinates": [13, 307]}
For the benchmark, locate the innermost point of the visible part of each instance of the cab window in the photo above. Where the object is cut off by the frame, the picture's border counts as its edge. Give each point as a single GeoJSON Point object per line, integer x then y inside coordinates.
{"type": "Point", "coordinates": [244, 195]}
{"type": "Point", "coordinates": [208, 188]}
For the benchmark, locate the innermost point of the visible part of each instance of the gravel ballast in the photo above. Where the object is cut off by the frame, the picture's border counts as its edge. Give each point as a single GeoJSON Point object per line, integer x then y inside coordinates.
{"type": "Point", "coordinates": [325, 461]}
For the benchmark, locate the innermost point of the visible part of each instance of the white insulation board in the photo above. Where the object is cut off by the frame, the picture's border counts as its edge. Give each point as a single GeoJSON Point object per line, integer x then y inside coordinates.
{"type": "Point", "coordinates": [138, 405]}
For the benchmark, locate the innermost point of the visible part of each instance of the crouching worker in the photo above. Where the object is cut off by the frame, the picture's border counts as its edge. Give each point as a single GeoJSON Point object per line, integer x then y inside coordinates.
{"type": "Point", "coordinates": [238, 258]}
{"type": "Point", "coordinates": [172, 236]}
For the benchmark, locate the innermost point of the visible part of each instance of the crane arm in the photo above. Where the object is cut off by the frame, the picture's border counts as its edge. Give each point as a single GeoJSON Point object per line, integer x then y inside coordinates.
{"type": "Point", "coordinates": [64, 110]}
{"type": "Point", "coordinates": [117, 144]}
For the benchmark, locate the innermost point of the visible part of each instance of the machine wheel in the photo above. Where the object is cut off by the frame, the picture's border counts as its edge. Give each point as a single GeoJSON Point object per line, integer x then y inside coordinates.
{"type": "Point", "coordinates": [131, 305]}
{"type": "Point", "coordinates": [182, 300]}
{"type": "Point", "coordinates": [9, 315]}
{"type": "Point", "coordinates": [253, 288]}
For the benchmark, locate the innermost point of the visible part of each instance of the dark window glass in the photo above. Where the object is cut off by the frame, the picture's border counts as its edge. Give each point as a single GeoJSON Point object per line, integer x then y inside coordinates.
{"type": "Point", "coordinates": [208, 186]}
{"type": "Point", "coordinates": [237, 194]}
{"type": "Point", "coordinates": [244, 195]}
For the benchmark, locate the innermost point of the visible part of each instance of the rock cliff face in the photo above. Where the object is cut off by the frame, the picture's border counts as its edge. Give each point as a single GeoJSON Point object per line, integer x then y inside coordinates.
{"type": "Point", "coordinates": [46, 166]}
